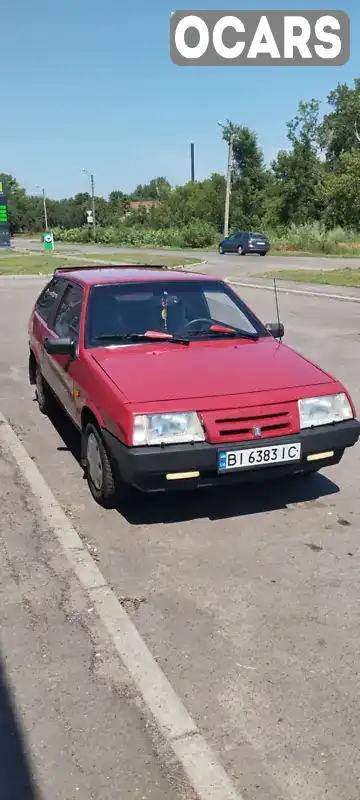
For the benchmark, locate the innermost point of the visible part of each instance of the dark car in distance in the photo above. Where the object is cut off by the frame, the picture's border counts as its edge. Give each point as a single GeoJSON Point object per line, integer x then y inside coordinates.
{"type": "Point", "coordinates": [243, 243]}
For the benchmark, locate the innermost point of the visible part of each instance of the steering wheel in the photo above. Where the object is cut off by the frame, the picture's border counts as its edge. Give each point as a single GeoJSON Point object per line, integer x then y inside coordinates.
{"type": "Point", "coordinates": [198, 321]}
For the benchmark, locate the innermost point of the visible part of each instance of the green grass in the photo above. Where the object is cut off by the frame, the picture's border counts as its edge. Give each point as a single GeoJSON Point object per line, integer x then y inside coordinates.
{"type": "Point", "coordinates": [34, 265]}
{"type": "Point", "coordinates": [46, 264]}
{"type": "Point", "coordinates": [331, 277]}
{"type": "Point", "coordinates": [139, 258]}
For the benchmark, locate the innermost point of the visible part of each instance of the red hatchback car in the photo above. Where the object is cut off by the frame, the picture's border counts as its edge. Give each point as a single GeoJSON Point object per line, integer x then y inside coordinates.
{"type": "Point", "coordinates": [173, 381]}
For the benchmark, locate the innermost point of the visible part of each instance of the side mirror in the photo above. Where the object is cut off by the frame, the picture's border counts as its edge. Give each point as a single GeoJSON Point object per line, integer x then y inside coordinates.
{"type": "Point", "coordinates": [60, 347]}
{"type": "Point", "coordinates": [276, 329]}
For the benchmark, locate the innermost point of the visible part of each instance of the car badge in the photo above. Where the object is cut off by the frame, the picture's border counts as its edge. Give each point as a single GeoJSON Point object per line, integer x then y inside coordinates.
{"type": "Point", "coordinates": [257, 432]}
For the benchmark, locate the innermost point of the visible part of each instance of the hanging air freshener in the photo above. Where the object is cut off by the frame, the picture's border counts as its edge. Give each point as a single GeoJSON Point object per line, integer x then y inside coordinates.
{"type": "Point", "coordinates": [164, 309]}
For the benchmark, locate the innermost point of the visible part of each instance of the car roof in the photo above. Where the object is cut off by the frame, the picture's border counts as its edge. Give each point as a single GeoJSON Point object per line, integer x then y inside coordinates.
{"type": "Point", "coordinates": [93, 276]}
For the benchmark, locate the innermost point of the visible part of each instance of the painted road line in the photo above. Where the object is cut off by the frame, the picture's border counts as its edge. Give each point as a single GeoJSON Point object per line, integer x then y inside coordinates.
{"type": "Point", "coordinates": [347, 298]}
{"type": "Point", "coordinates": [204, 772]}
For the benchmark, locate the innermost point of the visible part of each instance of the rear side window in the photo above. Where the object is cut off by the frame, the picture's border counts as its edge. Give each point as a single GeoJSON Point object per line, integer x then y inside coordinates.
{"type": "Point", "coordinates": [48, 299]}
{"type": "Point", "coordinates": [67, 321]}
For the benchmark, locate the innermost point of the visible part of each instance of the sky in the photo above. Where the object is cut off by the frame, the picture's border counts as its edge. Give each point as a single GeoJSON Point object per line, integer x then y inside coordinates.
{"type": "Point", "coordinates": [91, 84]}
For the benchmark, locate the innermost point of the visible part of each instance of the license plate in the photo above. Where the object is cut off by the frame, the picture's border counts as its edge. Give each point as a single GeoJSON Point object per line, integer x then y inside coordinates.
{"type": "Point", "coordinates": [262, 244]}
{"type": "Point", "coordinates": [258, 457]}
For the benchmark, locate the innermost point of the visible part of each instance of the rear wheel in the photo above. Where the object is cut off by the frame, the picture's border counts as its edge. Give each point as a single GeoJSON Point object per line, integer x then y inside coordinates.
{"type": "Point", "coordinates": [263, 254]}
{"type": "Point", "coordinates": [241, 251]}
{"type": "Point", "coordinates": [99, 472]}
{"type": "Point", "coordinates": [44, 396]}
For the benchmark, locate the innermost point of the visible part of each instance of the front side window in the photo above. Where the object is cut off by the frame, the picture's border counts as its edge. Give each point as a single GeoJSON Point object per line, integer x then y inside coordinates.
{"type": "Point", "coordinates": [48, 299]}
{"type": "Point", "coordinates": [117, 312]}
{"type": "Point", "coordinates": [67, 321]}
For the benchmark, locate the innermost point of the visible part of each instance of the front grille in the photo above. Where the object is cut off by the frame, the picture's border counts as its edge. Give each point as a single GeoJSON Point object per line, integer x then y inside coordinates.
{"type": "Point", "coordinates": [251, 423]}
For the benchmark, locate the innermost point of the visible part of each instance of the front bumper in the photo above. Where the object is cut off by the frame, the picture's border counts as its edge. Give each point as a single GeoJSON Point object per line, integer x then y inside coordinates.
{"type": "Point", "coordinates": [146, 467]}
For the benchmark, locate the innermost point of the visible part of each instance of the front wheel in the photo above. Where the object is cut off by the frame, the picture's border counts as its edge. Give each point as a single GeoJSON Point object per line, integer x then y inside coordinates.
{"type": "Point", "coordinates": [99, 472]}
{"type": "Point", "coordinates": [221, 250]}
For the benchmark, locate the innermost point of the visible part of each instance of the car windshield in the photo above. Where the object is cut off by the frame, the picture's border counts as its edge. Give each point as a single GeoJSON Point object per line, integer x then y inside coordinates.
{"type": "Point", "coordinates": [129, 313]}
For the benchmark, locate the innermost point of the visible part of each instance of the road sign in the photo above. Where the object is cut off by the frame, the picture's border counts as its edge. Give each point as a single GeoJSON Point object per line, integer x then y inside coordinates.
{"type": "Point", "coordinates": [48, 241]}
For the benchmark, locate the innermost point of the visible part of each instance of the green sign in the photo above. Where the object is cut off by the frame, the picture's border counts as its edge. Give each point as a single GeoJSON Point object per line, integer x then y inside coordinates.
{"type": "Point", "coordinates": [5, 238]}
{"type": "Point", "coordinates": [48, 241]}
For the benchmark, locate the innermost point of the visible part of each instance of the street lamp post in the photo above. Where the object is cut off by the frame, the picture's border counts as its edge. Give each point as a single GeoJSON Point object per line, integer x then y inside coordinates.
{"type": "Point", "coordinates": [92, 182]}
{"type": "Point", "coordinates": [228, 178]}
{"type": "Point", "coordinates": [44, 204]}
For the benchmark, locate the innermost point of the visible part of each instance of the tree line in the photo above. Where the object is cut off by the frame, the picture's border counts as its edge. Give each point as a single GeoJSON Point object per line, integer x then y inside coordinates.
{"type": "Point", "coordinates": [316, 179]}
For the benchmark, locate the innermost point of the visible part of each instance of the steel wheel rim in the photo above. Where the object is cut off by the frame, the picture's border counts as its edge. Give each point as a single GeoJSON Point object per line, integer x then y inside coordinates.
{"type": "Point", "coordinates": [39, 387]}
{"type": "Point", "coordinates": [94, 462]}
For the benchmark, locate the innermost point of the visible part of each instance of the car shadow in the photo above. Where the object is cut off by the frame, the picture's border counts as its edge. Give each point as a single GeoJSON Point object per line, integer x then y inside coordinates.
{"type": "Point", "coordinates": [215, 504]}
{"type": "Point", "coordinates": [220, 503]}
{"type": "Point", "coordinates": [16, 776]}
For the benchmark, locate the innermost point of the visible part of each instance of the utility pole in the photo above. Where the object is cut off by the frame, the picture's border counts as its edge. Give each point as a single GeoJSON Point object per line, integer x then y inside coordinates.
{"type": "Point", "coordinates": [228, 178]}
{"type": "Point", "coordinates": [92, 182]}
{"type": "Point", "coordinates": [192, 156]}
{"type": "Point", "coordinates": [44, 204]}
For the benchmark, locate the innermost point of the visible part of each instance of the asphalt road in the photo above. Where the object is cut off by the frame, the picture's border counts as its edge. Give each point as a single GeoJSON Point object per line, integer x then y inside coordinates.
{"type": "Point", "coordinates": [247, 600]}
{"type": "Point", "coordinates": [224, 265]}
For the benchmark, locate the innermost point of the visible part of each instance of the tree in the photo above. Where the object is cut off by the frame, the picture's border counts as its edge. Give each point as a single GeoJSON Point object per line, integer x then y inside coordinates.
{"type": "Point", "coordinates": [341, 193]}
{"type": "Point", "coordinates": [200, 200]}
{"type": "Point", "coordinates": [251, 179]}
{"type": "Point", "coordinates": [119, 205]}
{"type": "Point", "coordinates": [299, 172]}
{"type": "Point", "coordinates": [151, 191]}
{"type": "Point", "coordinates": [17, 203]}
{"type": "Point", "coordinates": [340, 131]}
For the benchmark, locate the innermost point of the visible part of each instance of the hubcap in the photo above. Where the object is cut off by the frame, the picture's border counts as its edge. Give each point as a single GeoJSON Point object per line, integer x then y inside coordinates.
{"type": "Point", "coordinates": [94, 462]}
{"type": "Point", "coordinates": [39, 387]}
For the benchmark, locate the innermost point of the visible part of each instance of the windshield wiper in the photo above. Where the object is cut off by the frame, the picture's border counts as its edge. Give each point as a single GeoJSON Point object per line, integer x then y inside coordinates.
{"type": "Point", "coordinates": [141, 337]}
{"type": "Point", "coordinates": [232, 333]}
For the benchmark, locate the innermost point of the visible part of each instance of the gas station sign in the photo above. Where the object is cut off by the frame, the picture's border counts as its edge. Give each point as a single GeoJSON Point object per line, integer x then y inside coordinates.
{"type": "Point", "coordinates": [5, 238]}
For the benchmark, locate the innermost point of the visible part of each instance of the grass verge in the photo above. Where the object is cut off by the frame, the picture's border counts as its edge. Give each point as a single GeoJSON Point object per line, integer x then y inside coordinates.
{"type": "Point", "coordinates": [139, 258]}
{"type": "Point", "coordinates": [46, 264]}
{"type": "Point", "coordinates": [331, 277]}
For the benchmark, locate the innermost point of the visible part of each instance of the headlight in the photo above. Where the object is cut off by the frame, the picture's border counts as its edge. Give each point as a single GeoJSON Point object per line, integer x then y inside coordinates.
{"type": "Point", "coordinates": [324, 410]}
{"type": "Point", "coordinates": [167, 428]}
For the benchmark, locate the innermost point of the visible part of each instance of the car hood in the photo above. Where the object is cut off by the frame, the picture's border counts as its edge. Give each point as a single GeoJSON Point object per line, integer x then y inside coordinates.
{"type": "Point", "coordinates": [207, 369]}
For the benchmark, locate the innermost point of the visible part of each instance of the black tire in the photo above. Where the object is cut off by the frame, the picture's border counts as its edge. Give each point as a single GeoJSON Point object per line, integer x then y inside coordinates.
{"type": "Point", "coordinates": [221, 251]}
{"type": "Point", "coordinates": [263, 254]}
{"type": "Point", "coordinates": [101, 482]}
{"type": "Point", "coordinates": [240, 251]}
{"type": "Point", "coordinates": [45, 398]}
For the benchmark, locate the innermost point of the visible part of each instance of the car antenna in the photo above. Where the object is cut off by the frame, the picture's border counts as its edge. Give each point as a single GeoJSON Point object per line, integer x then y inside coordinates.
{"type": "Point", "coordinates": [277, 306]}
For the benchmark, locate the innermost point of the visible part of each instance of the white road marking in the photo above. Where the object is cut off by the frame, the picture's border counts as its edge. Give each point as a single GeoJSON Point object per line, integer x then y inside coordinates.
{"type": "Point", "coordinates": [348, 298]}
{"type": "Point", "coordinates": [203, 770]}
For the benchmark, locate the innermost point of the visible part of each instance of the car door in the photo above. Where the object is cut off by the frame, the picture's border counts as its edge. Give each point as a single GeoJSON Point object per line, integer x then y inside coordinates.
{"type": "Point", "coordinates": [235, 241]}
{"type": "Point", "coordinates": [42, 318]}
{"type": "Point", "coordinates": [66, 324]}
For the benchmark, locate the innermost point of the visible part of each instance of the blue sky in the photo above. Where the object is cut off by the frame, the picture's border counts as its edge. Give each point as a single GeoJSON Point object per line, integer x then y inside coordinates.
{"type": "Point", "coordinates": [91, 84]}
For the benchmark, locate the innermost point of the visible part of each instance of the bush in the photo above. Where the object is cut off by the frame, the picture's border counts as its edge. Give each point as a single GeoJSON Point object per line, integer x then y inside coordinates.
{"type": "Point", "coordinates": [315, 238]}
{"type": "Point", "coordinates": [196, 234]}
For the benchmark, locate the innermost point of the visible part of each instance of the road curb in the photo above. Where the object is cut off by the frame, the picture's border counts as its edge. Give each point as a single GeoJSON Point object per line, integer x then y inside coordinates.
{"type": "Point", "coordinates": [285, 290]}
